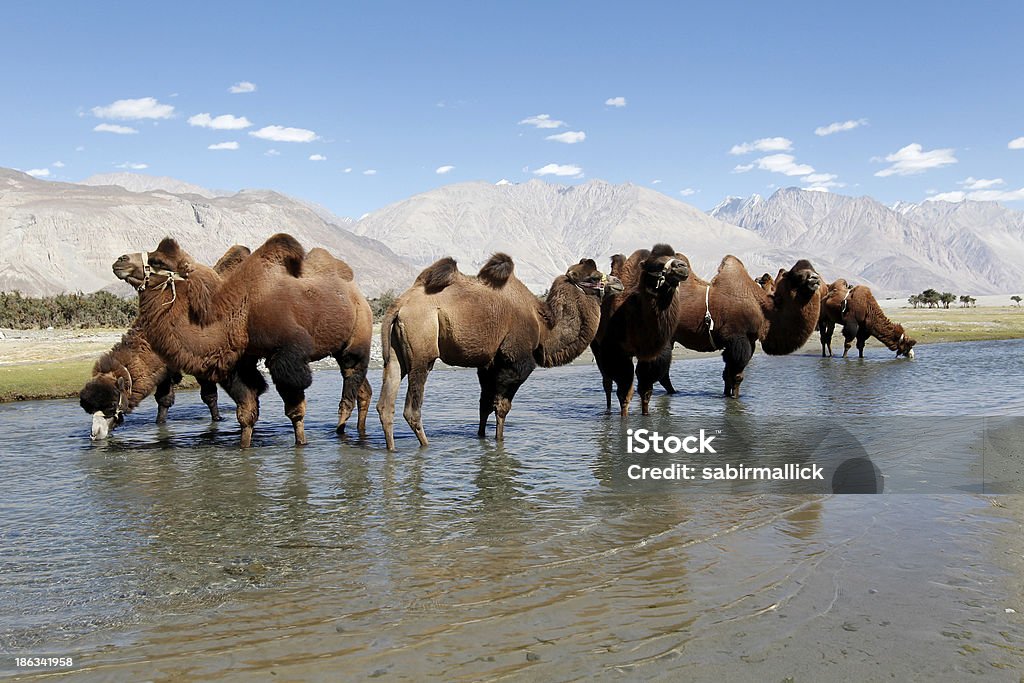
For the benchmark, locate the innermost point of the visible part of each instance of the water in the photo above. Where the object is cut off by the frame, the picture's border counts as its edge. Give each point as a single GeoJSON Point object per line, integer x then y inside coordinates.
{"type": "Point", "coordinates": [169, 552]}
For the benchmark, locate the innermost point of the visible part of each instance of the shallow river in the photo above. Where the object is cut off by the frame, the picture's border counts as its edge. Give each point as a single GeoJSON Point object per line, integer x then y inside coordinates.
{"type": "Point", "coordinates": [167, 552]}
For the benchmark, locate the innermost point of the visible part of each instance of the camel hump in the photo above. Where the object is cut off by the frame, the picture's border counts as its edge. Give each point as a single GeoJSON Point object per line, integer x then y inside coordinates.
{"type": "Point", "coordinates": [497, 270]}
{"type": "Point", "coordinates": [320, 260]}
{"type": "Point", "coordinates": [662, 250]}
{"type": "Point", "coordinates": [618, 261]}
{"type": "Point", "coordinates": [437, 275]}
{"type": "Point", "coordinates": [284, 250]}
{"type": "Point", "coordinates": [231, 258]}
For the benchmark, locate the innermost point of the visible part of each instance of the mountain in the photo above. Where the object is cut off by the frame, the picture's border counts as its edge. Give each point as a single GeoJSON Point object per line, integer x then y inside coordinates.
{"type": "Point", "coordinates": [547, 227]}
{"type": "Point", "coordinates": [976, 247]}
{"type": "Point", "coordinates": [58, 237]}
{"type": "Point", "coordinates": [138, 182]}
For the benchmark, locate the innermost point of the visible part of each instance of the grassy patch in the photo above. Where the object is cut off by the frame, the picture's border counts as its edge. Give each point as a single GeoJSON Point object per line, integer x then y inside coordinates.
{"type": "Point", "coordinates": [52, 379]}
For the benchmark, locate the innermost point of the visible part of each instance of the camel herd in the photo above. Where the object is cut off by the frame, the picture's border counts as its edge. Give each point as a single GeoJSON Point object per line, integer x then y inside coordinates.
{"type": "Point", "coordinates": [288, 307]}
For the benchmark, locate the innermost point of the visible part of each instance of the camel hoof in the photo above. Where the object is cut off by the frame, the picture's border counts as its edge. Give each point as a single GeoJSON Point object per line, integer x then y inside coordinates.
{"type": "Point", "coordinates": [217, 418]}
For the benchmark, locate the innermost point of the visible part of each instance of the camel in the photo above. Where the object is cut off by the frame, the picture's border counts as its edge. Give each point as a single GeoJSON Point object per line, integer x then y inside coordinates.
{"type": "Point", "coordinates": [280, 304]}
{"type": "Point", "coordinates": [767, 283]}
{"type": "Point", "coordinates": [732, 312]}
{"type": "Point", "coordinates": [861, 317]}
{"type": "Point", "coordinates": [833, 304]}
{"type": "Point", "coordinates": [124, 376]}
{"type": "Point", "coordinates": [490, 322]}
{"type": "Point", "coordinates": [639, 322]}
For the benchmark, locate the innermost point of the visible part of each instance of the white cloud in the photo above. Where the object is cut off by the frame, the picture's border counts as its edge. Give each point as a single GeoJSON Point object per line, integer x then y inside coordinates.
{"type": "Point", "coordinates": [819, 178]}
{"type": "Point", "coordinates": [224, 145]}
{"type": "Point", "coordinates": [562, 170]}
{"type": "Point", "coordinates": [785, 164]}
{"type": "Point", "coordinates": [114, 128]}
{"type": "Point", "coordinates": [283, 134]}
{"type": "Point", "coordinates": [242, 87]}
{"type": "Point", "coordinates": [441, 170]}
{"type": "Point", "coordinates": [347, 170]}
{"type": "Point", "coordinates": [317, 157]}
{"type": "Point", "coordinates": [569, 137]}
{"type": "Point", "coordinates": [840, 126]}
{"type": "Point", "coordinates": [58, 164]}
{"type": "Point", "coordinates": [688, 192]}
{"type": "Point", "coordinates": [271, 153]}
{"type": "Point", "coordinates": [142, 108]}
{"type": "Point", "coordinates": [133, 166]}
{"type": "Point", "coordinates": [616, 102]}
{"type": "Point", "coordinates": [980, 196]}
{"type": "Point", "coordinates": [956, 196]}
{"type": "Point", "coordinates": [972, 183]}
{"type": "Point", "coordinates": [370, 171]}
{"type": "Point", "coordinates": [763, 145]}
{"type": "Point", "coordinates": [656, 182]}
{"type": "Point", "coordinates": [816, 188]}
{"type": "Point", "coordinates": [1016, 143]}
{"type": "Point", "coordinates": [542, 121]}
{"type": "Point", "coordinates": [80, 148]}
{"type": "Point", "coordinates": [222, 122]}
{"type": "Point", "coordinates": [743, 168]}
{"type": "Point", "coordinates": [39, 172]}
{"type": "Point", "coordinates": [912, 160]}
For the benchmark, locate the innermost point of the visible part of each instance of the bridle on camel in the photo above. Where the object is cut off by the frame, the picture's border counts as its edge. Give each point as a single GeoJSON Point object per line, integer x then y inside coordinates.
{"type": "Point", "coordinates": [708, 320]}
{"type": "Point", "coordinates": [599, 285]}
{"type": "Point", "coordinates": [170, 277]}
{"type": "Point", "coordinates": [845, 305]}
{"type": "Point", "coordinates": [123, 396]}
{"type": "Point", "coordinates": [661, 274]}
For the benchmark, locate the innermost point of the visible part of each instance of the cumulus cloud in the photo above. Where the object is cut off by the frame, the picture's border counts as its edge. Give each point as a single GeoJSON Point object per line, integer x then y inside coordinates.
{"type": "Point", "coordinates": [616, 102]}
{"type": "Point", "coordinates": [569, 137]}
{"type": "Point", "coordinates": [1016, 143]}
{"type": "Point", "coordinates": [561, 170]}
{"type": "Point", "coordinates": [283, 134]}
{"type": "Point", "coordinates": [317, 157]}
{"type": "Point", "coordinates": [134, 166]}
{"type": "Point", "coordinates": [785, 164]}
{"type": "Point", "coordinates": [224, 145]}
{"type": "Point", "coordinates": [839, 126]}
{"type": "Point", "coordinates": [441, 170]}
{"type": "Point", "coordinates": [39, 172]}
{"type": "Point", "coordinates": [688, 192]}
{"type": "Point", "coordinates": [980, 196]}
{"type": "Point", "coordinates": [542, 121]}
{"type": "Point", "coordinates": [972, 183]}
{"type": "Point", "coordinates": [242, 87]}
{"type": "Point", "coordinates": [142, 108]}
{"type": "Point", "coordinates": [370, 171]}
{"type": "Point", "coordinates": [58, 164]}
{"type": "Point", "coordinates": [912, 160]}
{"type": "Point", "coordinates": [347, 170]}
{"type": "Point", "coordinates": [114, 128]}
{"type": "Point", "coordinates": [222, 122]}
{"type": "Point", "coordinates": [743, 168]}
{"type": "Point", "coordinates": [763, 145]}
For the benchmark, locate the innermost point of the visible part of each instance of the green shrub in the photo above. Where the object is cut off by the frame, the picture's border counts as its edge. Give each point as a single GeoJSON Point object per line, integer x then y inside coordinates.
{"type": "Point", "coordinates": [99, 309]}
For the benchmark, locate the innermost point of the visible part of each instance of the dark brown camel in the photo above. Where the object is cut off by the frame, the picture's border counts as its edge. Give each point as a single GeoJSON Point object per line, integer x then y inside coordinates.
{"type": "Point", "coordinates": [732, 312]}
{"type": "Point", "coordinates": [639, 322]}
{"type": "Point", "coordinates": [490, 322]}
{"type": "Point", "coordinates": [124, 376]}
{"type": "Point", "coordinates": [280, 304]}
{"type": "Point", "coordinates": [862, 317]}
{"type": "Point", "coordinates": [834, 300]}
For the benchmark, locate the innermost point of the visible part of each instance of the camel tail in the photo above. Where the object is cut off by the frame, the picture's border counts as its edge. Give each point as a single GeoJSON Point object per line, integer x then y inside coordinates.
{"type": "Point", "coordinates": [438, 275]}
{"type": "Point", "coordinates": [284, 250]}
{"type": "Point", "coordinates": [385, 333]}
{"type": "Point", "coordinates": [497, 270]}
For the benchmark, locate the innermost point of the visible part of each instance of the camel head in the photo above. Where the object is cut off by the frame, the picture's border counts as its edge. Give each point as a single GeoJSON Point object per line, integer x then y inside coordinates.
{"type": "Point", "coordinates": [618, 260]}
{"type": "Point", "coordinates": [588, 278]}
{"type": "Point", "coordinates": [131, 268]}
{"type": "Point", "coordinates": [663, 269]}
{"type": "Point", "coordinates": [105, 397]}
{"type": "Point", "coordinates": [904, 344]}
{"type": "Point", "coordinates": [801, 282]}
{"type": "Point", "coordinates": [168, 262]}
{"type": "Point", "coordinates": [767, 283]}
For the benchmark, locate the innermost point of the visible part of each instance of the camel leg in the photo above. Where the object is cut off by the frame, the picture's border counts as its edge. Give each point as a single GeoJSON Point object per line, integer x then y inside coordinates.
{"type": "Point", "coordinates": [244, 386]}
{"type": "Point", "coordinates": [510, 378]}
{"type": "Point", "coordinates": [290, 371]}
{"type": "Point", "coordinates": [208, 392]}
{"type": "Point", "coordinates": [825, 331]}
{"type": "Point", "coordinates": [606, 375]}
{"type": "Point", "coordinates": [414, 402]}
{"type": "Point", "coordinates": [488, 378]}
{"type": "Point", "coordinates": [850, 332]}
{"type": "Point", "coordinates": [621, 370]}
{"type": "Point", "coordinates": [737, 353]}
{"type": "Point", "coordinates": [353, 370]}
{"type": "Point", "coordinates": [388, 392]}
{"type": "Point", "coordinates": [862, 338]}
{"type": "Point", "coordinates": [647, 373]}
{"type": "Point", "coordinates": [164, 399]}
{"type": "Point", "coordinates": [363, 399]}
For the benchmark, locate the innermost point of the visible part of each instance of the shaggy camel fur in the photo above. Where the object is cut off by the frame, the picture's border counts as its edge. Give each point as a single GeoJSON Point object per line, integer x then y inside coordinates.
{"type": "Point", "coordinates": [280, 304]}
{"type": "Point", "coordinates": [731, 313]}
{"type": "Point", "coordinates": [490, 322]}
{"type": "Point", "coordinates": [861, 317]}
{"type": "Point", "coordinates": [834, 300]}
{"type": "Point", "coordinates": [767, 283]}
{"type": "Point", "coordinates": [639, 322]}
{"type": "Point", "coordinates": [128, 373]}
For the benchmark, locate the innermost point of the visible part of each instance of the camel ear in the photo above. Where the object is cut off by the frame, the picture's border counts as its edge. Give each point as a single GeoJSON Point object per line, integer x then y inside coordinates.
{"type": "Point", "coordinates": [186, 268]}
{"type": "Point", "coordinates": [121, 383]}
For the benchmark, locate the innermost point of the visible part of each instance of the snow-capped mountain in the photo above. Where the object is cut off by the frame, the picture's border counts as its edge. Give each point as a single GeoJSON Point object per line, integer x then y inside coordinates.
{"type": "Point", "coordinates": [63, 237]}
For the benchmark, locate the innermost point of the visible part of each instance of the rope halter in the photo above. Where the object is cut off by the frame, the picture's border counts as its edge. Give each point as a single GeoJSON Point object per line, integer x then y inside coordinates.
{"type": "Point", "coordinates": [170, 277]}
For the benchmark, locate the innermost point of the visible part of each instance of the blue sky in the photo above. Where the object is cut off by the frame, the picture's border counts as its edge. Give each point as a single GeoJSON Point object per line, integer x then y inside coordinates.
{"type": "Point", "coordinates": [389, 94]}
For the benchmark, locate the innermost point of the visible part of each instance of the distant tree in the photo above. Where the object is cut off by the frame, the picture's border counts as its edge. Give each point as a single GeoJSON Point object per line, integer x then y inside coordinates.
{"type": "Point", "coordinates": [946, 298]}
{"type": "Point", "coordinates": [931, 298]}
{"type": "Point", "coordinates": [972, 301]}
{"type": "Point", "coordinates": [381, 304]}
{"type": "Point", "coordinates": [1016, 299]}
{"type": "Point", "coordinates": [914, 300]}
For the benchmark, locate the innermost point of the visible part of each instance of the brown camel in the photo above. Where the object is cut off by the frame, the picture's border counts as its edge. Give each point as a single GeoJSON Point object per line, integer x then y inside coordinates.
{"type": "Point", "coordinates": [861, 317]}
{"type": "Point", "coordinates": [731, 312]}
{"type": "Point", "coordinates": [767, 283]}
{"type": "Point", "coordinates": [834, 301]}
{"type": "Point", "coordinates": [124, 376]}
{"type": "Point", "coordinates": [280, 304]}
{"type": "Point", "coordinates": [490, 322]}
{"type": "Point", "coordinates": [639, 322]}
